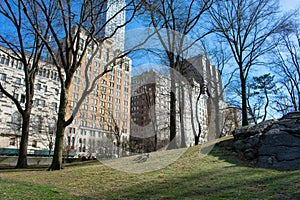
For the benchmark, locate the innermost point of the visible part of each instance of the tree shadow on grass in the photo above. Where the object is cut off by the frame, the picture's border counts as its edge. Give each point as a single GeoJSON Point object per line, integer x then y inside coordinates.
{"type": "Point", "coordinates": [218, 176]}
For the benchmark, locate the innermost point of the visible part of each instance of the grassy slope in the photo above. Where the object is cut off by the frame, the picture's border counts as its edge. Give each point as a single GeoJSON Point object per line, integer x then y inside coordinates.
{"type": "Point", "coordinates": [216, 176]}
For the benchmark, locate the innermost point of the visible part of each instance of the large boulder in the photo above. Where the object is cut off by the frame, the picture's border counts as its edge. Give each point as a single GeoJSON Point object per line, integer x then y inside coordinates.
{"type": "Point", "coordinates": [271, 144]}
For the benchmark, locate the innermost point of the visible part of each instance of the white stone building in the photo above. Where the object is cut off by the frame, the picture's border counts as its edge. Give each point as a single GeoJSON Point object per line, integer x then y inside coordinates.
{"type": "Point", "coordinates": [45, 103]}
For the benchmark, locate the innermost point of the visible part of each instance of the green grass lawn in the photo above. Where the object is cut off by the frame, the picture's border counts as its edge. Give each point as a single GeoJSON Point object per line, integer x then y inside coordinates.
{"type": "Point", "coordinates": [219, 175]}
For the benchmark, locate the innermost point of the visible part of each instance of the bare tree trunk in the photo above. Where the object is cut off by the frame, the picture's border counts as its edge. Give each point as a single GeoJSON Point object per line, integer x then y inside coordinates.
{"type": "Point", "coordinates": [192, 118]}
{"type": "Point", "coordinates": [22, 158]}
{"type": "Point", "coordinates": [244, 99]}
{"type": "Point", "coordinates": [196, 133]}
{"type": "Point", "coordinates": [181, 108]}
{"type": "Point", "coordinates": [58, 149]}
{"type": "Point", "coordinates": [172, 144]}
{"type": "Point", "coordinates": [61, 126]}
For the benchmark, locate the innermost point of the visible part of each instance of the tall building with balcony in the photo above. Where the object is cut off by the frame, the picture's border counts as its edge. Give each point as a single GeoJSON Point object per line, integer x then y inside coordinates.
{"type": "Point", "coordinates": [44, 111]}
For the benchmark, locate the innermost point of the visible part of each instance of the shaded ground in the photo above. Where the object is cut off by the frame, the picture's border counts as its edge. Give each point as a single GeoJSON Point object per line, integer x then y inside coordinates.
{"type": "Point", "coordinates": [216, 176]}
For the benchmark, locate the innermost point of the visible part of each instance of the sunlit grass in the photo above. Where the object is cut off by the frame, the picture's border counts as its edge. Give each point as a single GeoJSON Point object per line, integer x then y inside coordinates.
{"type": "Point", "coordinates": [216, 176]}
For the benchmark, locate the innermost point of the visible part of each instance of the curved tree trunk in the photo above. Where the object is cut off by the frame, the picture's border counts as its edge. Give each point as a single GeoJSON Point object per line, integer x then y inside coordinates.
{"type": "Point", "coordinates": [22, 158]}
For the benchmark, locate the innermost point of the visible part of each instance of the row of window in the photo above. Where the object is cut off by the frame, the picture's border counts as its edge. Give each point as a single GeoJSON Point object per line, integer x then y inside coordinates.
{"type": "Point", "coordinates": [47, 73]}
{"type": "Point", "coordinates": [10, 62]}
{"type": "Point", "coordinates": [42, 103]}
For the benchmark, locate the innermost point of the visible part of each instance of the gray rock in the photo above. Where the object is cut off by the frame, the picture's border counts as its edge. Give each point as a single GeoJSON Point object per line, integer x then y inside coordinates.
{"type": "Point", "coordinates": [239, 145]}
{"type": "Point", "coordinates": [250, 154]}
{"type": "Point", "coordinates": [289, 154]}
{"type": "Point", "coordinates": [271, 144]}
{"type": "Point", "coordinates": [254, 140]}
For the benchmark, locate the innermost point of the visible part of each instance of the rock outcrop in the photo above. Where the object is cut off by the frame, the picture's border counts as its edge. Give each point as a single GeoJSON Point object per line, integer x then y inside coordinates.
{"type": "Point", "coordinates": [271, 144]}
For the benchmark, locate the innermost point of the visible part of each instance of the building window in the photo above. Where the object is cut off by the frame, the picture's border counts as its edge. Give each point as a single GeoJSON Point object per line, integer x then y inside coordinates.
{"type": "Point", "coordinates": [110, 91]}
{"type": "Point", "coordinates": [72, 130]}
{"type": "Point", "coordinates": [102, 103]}
{"type": "Point", "coordinates": [22, 98]}
{"type": "Point", "coordinates": [54, 106]}
{"type": "Point", "coordinates": [18, 81]}
{"type": "Point", "coordinates": [7, 62]}
{"type": "Point", "coordinates": [3, 77]}
{"type": "Point", "coordinates": [12, 141]}
{"type": "Point", "coordinates": [126, 67]}
{"type": "Point", "coordinates": [55, 91]}
{"type": "Point", "coordinates": [73, 142]}
{"type": "Point", "coordinates": [101, 119]}
{"type": "Point", "coordinates": [2, 59]}
{"type": "Point", "coordinates": [36, 102]}
{"type": "Point", "coordinates": [101, 111]}
{"type": "Point", "coordinates": [16, 96]}
{"type": "Point", "coordinates": [42, 103]}
{"type": "Point", "coordinates": [119, 73]}
{"type": "Point", "coordinates": [34, 144]}
{"type": "Point", "coordinates": [103, 88]}
{"type": "Point", "coordinates": [38, 86]}
{"type": "Point", "coordinates": [45, 88]}
{"type": "Point", "coordinates": [103, 96]}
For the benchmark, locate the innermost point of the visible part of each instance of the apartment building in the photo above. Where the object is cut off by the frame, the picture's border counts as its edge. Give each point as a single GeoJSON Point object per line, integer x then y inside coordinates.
{"type": "Point", "coordinates": [45, 105]}
{"type": "Point", "coordinates": [149, 126]}
{"type": "Point", "coordinates": [150, 112]}
{"type": "Point", "coordinates": [200, 109]}
{"type": "Point", "coordinates": [104, 115]}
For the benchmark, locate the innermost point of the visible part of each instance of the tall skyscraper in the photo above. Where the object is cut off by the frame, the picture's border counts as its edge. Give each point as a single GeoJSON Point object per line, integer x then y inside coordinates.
{"type": "Point", "coordinates": [114, 15]}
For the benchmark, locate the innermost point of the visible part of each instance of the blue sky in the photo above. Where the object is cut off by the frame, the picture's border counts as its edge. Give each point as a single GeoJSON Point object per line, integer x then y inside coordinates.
{"type": "Point", "coordinates": [289, 4]}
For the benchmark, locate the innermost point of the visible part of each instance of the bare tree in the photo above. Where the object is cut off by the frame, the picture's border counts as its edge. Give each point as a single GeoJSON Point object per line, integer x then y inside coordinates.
{"type": "Point", "coordinates": [176, 17]}
{"type": "Point", "coordinates": [247, 26]}
{"type": "Point", "coordinates": [286, 61]}
{"type": "Point", "coordinates": [22, 44]}
{"type": "Point", "coordinates": [78, 35]}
